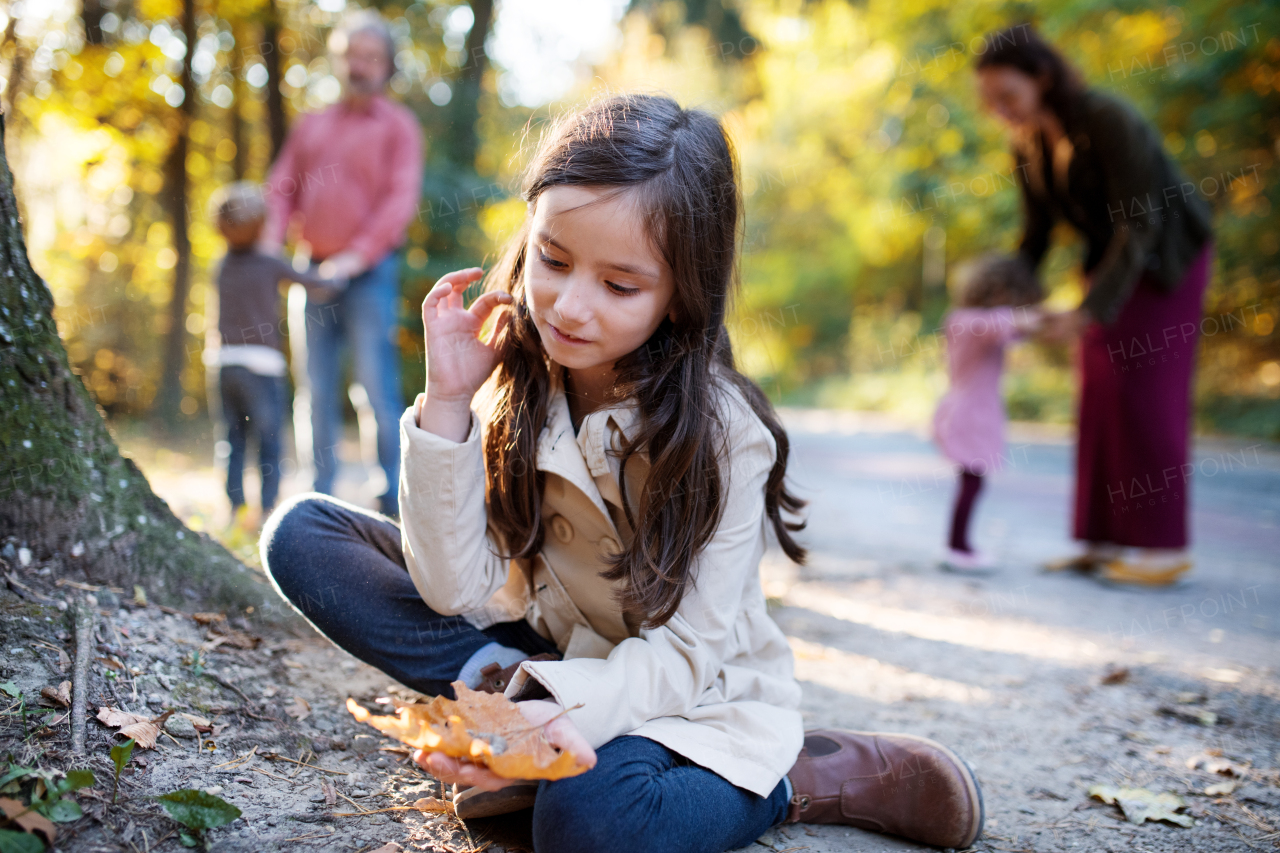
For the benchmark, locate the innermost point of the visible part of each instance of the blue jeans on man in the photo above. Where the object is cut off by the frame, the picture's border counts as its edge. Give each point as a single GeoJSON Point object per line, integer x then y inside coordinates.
{"type": "Point", "coordinates": [365, 315]}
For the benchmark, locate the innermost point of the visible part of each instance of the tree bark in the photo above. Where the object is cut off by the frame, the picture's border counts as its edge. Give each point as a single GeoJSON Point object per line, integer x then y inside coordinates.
{"type": "Point", "coordinates": [466, 112]}
{"type": "Point", "coordinates": [275, 98]}
{"type": "Point", "coordinates": [176, 193]}
{"type": "Point", "coordinates": [239, 91]}
{"type": "Point", "coordinates": [92, 13]}
{"type": "Point", "coordinates": [66, 493]}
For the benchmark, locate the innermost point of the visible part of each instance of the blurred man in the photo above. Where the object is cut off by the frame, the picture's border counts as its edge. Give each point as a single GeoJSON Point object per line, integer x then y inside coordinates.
{"type": "Point", "coordinates": [351, 174]}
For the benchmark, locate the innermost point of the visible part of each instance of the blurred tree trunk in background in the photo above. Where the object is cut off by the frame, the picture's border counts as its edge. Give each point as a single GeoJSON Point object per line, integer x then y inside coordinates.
{"type": "Point", "coordinates": [91, 13]}
{"type": "Point", "coordinates": [275, 98]}
{"type": "Point", "coordinates": [466, 111]}
{"type": "Point", "coordinates": [66, 494]}
{"type": "Point", "coordinates": [239, 91]}
{"type": "Point", "coordinates": [16, 56]}
{"type": "Point", "coordinates": [175, 199]}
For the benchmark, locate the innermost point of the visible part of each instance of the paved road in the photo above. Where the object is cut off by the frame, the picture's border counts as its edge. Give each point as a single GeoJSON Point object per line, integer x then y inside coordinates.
{"type": "Point", "coordinates": [1008, 669]}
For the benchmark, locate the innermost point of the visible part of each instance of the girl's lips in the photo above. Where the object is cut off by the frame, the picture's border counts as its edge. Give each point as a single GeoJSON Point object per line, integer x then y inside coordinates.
{"type": "Point", "coordinates": [566, 339]}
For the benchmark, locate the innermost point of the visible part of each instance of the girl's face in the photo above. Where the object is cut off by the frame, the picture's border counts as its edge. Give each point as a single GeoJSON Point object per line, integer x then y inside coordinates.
{"type": "Point", "coordinates": [1010, 94]}
{"type": "Point", "coordinates": [597, 287]}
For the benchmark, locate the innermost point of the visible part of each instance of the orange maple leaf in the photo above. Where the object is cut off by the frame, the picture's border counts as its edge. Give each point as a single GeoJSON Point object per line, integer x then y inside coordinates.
{"type": "Point", "coordinates": [484, 728]}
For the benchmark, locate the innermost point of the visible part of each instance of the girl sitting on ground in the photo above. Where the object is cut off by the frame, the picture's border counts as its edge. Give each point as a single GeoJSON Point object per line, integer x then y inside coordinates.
{"type": "Point", "coordinates": [585, 494]}
{"type": "Point", "coordinates": [996, 301]}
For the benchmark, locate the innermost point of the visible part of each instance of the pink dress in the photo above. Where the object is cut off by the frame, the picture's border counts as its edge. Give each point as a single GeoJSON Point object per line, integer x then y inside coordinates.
{"type": "Point", "coordinates": [969, 423]}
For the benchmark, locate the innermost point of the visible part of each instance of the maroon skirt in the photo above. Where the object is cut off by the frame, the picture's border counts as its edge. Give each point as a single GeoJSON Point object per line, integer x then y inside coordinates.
{"type": "Point", "coordinates": [1132, 475]}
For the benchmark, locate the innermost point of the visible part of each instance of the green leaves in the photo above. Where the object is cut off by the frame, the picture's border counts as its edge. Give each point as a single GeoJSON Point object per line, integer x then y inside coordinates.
{"type": "Point", "coordinates": [198, 810]}
{"type": "Point", "coordinates": [14, 774]}
{"type": "Point", "coordinates": [53, 806]}
{"type": "Point", "coordinates": [120, 755]}
{"type": "Point", "coordinates": [19, 842]}
{"type": "Point", "coordinates": [10, 689]}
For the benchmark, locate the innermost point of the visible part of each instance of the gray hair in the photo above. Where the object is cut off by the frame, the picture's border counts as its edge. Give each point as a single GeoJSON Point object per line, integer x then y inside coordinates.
{"type": "Point", "coordinates": [238, 204]}
{"type": "Point", "coordinates": [360, 22]}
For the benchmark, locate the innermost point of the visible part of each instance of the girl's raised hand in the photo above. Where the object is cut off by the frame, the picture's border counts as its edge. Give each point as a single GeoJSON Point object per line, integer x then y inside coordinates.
{"type": "Point", "coordinates": [458, 362]}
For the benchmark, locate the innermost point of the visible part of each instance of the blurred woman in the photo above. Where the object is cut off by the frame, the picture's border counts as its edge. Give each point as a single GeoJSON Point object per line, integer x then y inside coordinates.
{"type": "Point", "coordinates": [1091, 160]}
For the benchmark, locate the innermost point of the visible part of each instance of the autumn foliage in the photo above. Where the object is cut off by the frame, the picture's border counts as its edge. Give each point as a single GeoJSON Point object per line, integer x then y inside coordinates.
{"type": "Point", "coordinates": [485, 728]}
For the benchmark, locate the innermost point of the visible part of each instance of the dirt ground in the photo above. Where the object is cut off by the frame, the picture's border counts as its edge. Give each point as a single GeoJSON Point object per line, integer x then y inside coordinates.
{"type": "Point", "coordinates": [1048, 684]}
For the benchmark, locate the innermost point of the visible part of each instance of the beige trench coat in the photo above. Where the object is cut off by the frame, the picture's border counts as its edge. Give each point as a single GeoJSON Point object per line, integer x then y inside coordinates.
{"type": "Point", "coordinates": [715, 684]}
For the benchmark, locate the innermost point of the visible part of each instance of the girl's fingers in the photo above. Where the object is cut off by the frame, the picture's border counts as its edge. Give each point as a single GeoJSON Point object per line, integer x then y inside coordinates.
{"type": "Point", "coordinates": [486, 302]}
{"type": "Point", "coordinates": [450, 287]}
{"type": "Point", "coordinates": [564, 734]}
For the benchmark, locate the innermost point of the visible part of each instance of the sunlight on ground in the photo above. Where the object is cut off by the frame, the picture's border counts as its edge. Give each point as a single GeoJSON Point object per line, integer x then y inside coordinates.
{"type": "Point", "coordinates": [858, 675]}
{"type": "Point", "coordinates": [974, 632]}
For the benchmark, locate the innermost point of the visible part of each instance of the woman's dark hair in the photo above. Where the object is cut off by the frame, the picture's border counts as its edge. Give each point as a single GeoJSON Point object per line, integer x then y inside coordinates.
{"type": "Point", "coordinates": [680, 167]}
{"type": "Point", "coordinates": [1021, 47]}
{"type": "Point", "coordinates": [991, 280]}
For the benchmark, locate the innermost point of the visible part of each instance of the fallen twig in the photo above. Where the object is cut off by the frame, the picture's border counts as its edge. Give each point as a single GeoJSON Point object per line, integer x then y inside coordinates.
{"type": "Point", "coordinates": [275, 756]}
{"type": "Point", "coordinates": [86, 613]}
{"type": "Point", "coordinates": [227, 684]}
{"type": "Point", "coordinates": [236, 762]}
{"type": "Point", "coordinates": [272, 775]}
{"type": "Point", "coordinates": [25, 591]}
{"type": "Point", "coordinates": [305, 837]}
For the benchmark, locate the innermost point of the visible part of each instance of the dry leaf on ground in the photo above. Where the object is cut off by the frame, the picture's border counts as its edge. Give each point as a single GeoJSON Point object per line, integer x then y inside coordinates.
{"type": "Point", "coordinates": [432, 804]}
{"type": "Point", "coordinates": [299, 710]}
{"type": "Point", "coordinates": [1221, 789]}
{"type": "Point", "coordinates": [330, 792]}
{"type": "Point", "coordinates": [30, 821]}
{"type": "Point", "coordinates": [221, 635]}
{"type": "Point", "coordinates": [389, 847]}
{"type": "Point", "coordinates": [1116, 675]}
{"type": "Point", "coordinates": [144, 730]}
{"type": "Point", "coordinates": [60, 694]}
{"type": "Point", "coordinates": [208, 618]}
{"type": "Point", "coordinates": [485, 728]}
{"type": "Point", "coordinates": [1139, 804]}
{"type": "Point", "coordinates": [1213, 762]}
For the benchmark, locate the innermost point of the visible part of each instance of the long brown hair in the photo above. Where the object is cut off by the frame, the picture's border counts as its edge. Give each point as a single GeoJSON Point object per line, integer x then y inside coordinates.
{"type": "Point", "coordinates": [681, 167]}
{"type": "Point", "coordinates": [1022, 48]}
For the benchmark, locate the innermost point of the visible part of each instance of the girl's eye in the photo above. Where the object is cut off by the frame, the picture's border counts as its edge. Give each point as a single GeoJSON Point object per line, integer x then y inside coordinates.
{"type": "Point", "coordinates": [622, 291]}
{"type": "Point", "coordinates": [554, 264]}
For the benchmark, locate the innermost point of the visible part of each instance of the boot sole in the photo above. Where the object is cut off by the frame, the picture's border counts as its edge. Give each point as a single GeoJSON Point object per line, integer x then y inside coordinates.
{"type": "Point", "coordinates": [970, 781]}
{"type": "Point", "coordinates": [474, 802]}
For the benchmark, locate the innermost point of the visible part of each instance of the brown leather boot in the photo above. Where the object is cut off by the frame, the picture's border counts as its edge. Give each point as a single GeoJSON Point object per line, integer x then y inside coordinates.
{"type": "Point", "coordinates": [899, 784]}
{"type": "Point", "coordinates": [494, 678]}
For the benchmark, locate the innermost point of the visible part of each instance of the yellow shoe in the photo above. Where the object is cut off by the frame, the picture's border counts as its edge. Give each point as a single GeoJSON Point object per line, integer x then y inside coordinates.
{"type": "Point", "coordinates": [1143, 574]}
{"type": "Point", "coordinates": [1085, 563]}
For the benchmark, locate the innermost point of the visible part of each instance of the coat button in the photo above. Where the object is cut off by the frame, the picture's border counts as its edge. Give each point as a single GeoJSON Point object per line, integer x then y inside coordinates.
{"type": "Point", "coordinates": [562, 529]}
{"type": "Point", "coordinates": [610, 546]}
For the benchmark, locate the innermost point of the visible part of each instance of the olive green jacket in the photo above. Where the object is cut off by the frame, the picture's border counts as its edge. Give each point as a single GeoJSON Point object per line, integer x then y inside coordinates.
{"type": "Point", "coordinates": [1137, 211]}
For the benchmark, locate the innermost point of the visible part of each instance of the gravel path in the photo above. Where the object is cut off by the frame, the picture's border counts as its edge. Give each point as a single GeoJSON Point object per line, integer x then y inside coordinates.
{"type": "Point", "coordinates": [1048, 684]}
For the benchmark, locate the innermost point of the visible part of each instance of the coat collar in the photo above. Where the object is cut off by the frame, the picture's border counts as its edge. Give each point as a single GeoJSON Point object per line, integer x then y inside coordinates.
{"type": "Point", "coordinates": [583, 459]}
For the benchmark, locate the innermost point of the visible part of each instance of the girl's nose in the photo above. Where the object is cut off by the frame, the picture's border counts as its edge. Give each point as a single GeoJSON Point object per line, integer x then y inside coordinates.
{"type": "Point", "coordinates": [571, 304]}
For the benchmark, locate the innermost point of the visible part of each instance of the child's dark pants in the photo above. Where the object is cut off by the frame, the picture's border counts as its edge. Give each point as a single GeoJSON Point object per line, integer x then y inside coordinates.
{"type": "Point", "coordinates": [343, 569]}
{"type": "Point", "coordinates": [966, 495]}
{"type": "Point", "coordinates": [254, 403]}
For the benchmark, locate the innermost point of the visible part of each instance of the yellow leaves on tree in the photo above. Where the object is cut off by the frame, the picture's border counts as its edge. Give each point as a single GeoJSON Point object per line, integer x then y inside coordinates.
{"type": "Point", "coordinates": [485, 728]}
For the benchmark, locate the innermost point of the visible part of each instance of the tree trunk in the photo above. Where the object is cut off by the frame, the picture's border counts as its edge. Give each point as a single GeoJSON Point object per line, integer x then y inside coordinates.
{"type": "Point", "coordinates": [466, 112]}
{"type": "Point", "coordinates": [65, 491]}
{"type": "Point", "coordinates": [275, 98]}
{"type": "Point", "coordinates": [175, 200]}
{"type": "Point", "coordinates": [239, 133]}
{"type": "Point", "coordinates": [91, 13]}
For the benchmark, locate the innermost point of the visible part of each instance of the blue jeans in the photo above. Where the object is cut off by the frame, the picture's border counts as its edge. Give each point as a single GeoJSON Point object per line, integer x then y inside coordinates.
{"type": "Point", "coordinates": [252, 402]}
{"type": "Point", "coordinates": [365, 314]}
{"type": "Point", "coordinates": [342, 568]}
